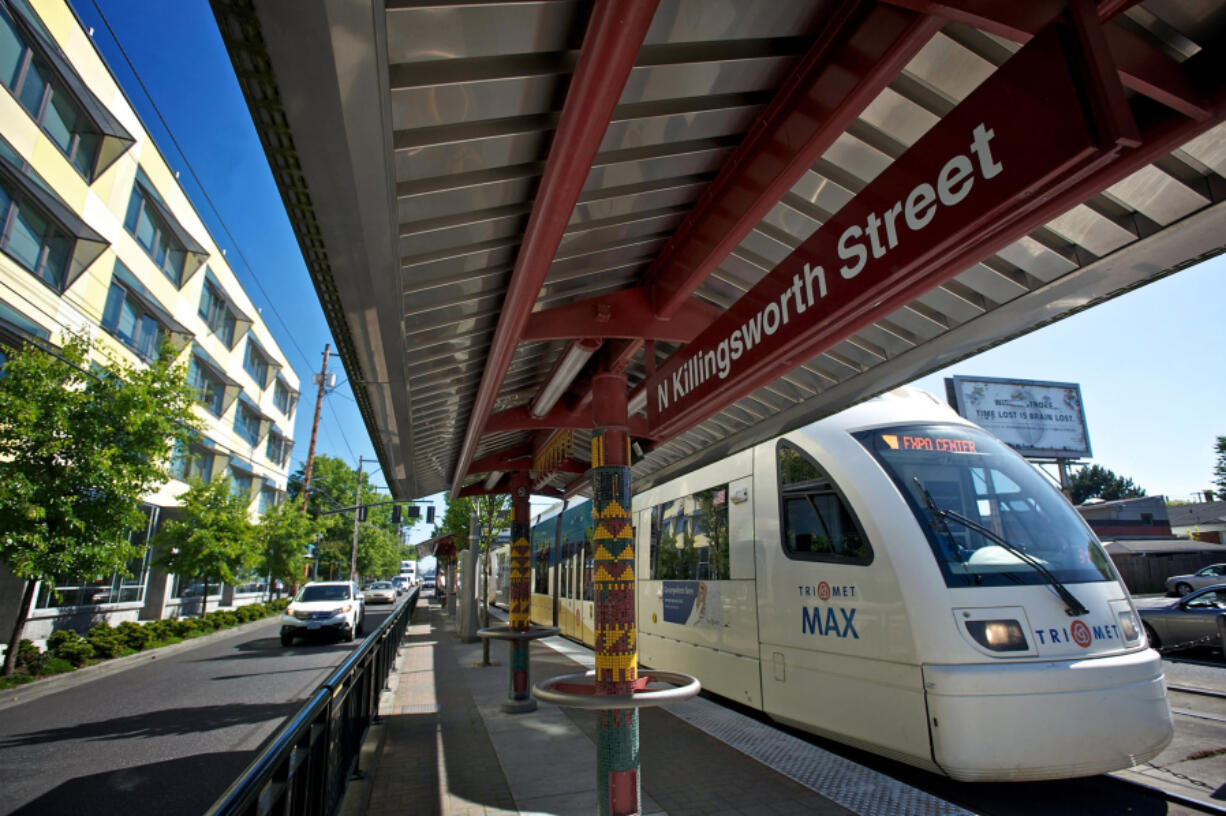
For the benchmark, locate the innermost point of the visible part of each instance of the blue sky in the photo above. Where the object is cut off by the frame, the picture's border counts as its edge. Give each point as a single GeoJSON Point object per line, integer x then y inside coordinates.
{"type": "Point", "coordinates": [1149, 363]}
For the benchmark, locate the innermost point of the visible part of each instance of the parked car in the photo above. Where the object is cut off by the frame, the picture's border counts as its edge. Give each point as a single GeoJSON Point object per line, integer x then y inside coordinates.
{"type": "Point", "coordinates": [324, 607]}
{"type": "Point", "coordinates": [1183, 584]}
{"type": "Point", "coordinates": [380, 592]}
{"type": "Point", "coordinates": [401, 583]}
{"type": "Point", "coordinates": [1187, 622]}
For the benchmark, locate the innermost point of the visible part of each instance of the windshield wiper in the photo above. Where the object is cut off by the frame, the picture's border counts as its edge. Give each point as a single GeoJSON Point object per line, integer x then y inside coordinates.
{"type": "Point", "coordinates": [1073, 606]}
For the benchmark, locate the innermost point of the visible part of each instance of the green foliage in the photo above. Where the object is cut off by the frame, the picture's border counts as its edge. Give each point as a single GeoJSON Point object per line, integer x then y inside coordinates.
{"type": "Point", "coordinates": [492, 513]}
{"type": "Point", "coordinates": [283, 535]}
{"type": "Point", "coordinates": [135, 636]}
{"type": "Point", "coordinates": [106, 641]}
{"type": "Point", "coordinates": [1096, 481]}
{"type": "Point", "coordinates": [1219, 467]}
{"type": "Point", "coordinates": [78, 451]}
{"type": "Point", "coordinates": [212, 540]}
{"type": "Point", "coordinates": [66, 644]}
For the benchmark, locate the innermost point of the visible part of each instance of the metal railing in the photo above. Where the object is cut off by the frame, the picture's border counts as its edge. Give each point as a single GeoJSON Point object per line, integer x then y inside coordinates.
{"type": "Point", "coordinates": [307, 765]}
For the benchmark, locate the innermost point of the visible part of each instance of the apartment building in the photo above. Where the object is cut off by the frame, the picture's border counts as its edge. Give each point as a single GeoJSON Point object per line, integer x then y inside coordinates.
{"type": "Point", "coordinates": [96, 234]}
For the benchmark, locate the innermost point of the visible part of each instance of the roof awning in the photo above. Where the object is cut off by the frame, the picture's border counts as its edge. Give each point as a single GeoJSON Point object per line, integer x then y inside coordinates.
{"type": "Point", "coordinates": [441, 547]}
{"type": "Point", "coordinates": [115, 137]}
{"type": "Point", "coordinates": [180, 334]}
{"type": "Point", "coordinates": [196, 254]}
{"type": "Point", "coordinates": [88, 244]}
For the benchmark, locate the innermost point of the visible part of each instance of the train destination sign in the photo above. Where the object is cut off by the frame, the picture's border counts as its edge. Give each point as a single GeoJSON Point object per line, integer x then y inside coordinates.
{"type": "Point", "coordinates": [1036, 419]}
{"type": "Point", "coordinates": [976, 172]}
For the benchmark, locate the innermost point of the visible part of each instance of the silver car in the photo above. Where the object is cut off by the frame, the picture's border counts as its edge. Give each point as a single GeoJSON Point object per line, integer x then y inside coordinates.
{"type": "Point", "coordinates": [1183, 584]}
{"type": "Point", "coordinates": [1188, 622]}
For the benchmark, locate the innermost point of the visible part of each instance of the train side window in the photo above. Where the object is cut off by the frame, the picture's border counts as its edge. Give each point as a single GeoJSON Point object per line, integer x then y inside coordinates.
{"type": "Point", "coordinates": [689, 537]}
{"type": "Point", "coordinates": [540, 570]}
{"type": "Point", "coordinates": [815, 522]}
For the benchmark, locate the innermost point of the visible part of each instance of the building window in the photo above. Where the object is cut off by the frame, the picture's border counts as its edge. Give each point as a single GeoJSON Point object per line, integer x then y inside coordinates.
{"type": "Point", "coordinates": [247, 424]}
{"type": "Point", "coordinates": [114, 588]}
{"type": "Point", "coordinates": [284, 398]}
{"type": "Point", "coordinates": [193, 462]}
{"type": "Point", "coordinates": [240, 483]}
{"type": "Point", "coordinates": [216, 313]}
{"type": "Point", "coordinates": [46, 99]}
{"type": "Point", "coordinates": [268, 499]}
{"type": "Point", "coordinates": [256, 364]}
{"type": "Point", "coordinates": [153, 234]}
{"type": "Point", "coordinates": [32, 238]}
{"type": "Point", "coordinates": [277, 449]}
{"type": "Point", "coordinates": [210, 390]}
{"type": "Point", "coordinates": [125, 318]}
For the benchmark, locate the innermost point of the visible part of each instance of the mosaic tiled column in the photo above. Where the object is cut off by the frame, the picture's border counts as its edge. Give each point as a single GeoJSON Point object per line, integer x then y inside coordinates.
{"type": "Point", "coordinates": [617, 734]}
{"type": "Point", "coordinates": [519, 696]}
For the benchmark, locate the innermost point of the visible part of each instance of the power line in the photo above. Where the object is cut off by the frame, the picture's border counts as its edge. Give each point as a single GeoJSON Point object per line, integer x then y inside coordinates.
{"type": "Point", "coordinates": [203, 191]}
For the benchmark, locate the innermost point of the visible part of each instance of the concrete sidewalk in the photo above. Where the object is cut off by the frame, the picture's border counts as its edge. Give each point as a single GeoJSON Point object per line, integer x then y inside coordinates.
{"type": "Point", "coordinates": [445, 747]}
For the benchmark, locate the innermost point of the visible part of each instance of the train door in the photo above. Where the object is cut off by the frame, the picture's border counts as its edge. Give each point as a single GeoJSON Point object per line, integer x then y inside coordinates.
{"type": "Point", "coordinates": [544, 606]}
{"type": "Point", "coordinates": [836, 643]}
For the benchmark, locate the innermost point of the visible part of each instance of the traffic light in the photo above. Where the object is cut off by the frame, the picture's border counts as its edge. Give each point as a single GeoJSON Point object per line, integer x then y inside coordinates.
{"type": "Point", "coordinates": [414, 511]}
{"type": "Point", "coordinates": [362, 514]}
{"type": "Point", "coordinates": [396, 514]}
{"type": "Point", "coordinates": [430, 514]}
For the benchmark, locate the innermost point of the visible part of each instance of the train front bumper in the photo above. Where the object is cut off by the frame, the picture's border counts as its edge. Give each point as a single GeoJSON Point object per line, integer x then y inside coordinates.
{"type": "Point", "coordinates": [1020, 721]}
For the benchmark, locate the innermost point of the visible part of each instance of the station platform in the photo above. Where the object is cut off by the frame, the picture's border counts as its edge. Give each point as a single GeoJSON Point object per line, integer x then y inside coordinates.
{"type": "Point", "coordinates": [445, 747]}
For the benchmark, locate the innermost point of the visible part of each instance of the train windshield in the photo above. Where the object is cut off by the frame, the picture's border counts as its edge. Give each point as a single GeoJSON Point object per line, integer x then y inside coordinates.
{"type": "Point", "coordinates": [971, 474]}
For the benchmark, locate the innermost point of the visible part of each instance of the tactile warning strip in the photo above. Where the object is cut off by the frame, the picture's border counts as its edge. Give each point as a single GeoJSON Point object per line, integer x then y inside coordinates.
{"type": "Point", "coordinates": [855, 787]}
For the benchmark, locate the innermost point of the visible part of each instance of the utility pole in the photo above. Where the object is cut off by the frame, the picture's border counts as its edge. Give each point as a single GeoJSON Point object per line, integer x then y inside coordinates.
{"type": "Point", "coordinates": [357, 515]}
{"type": "Point", "coordinates": [319, 403]}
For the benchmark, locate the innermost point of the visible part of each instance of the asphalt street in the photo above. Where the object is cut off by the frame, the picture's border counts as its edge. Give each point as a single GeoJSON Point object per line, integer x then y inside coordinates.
{"type": "Point", "coordinates": [166, 736]}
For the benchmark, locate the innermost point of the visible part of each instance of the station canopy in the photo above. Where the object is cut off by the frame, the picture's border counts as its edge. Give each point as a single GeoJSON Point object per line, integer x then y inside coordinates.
{"type": "Point", "coordinates": [761, 211]}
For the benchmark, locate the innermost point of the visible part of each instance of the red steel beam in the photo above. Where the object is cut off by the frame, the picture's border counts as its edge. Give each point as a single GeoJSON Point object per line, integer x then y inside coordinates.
{"type": "Point", "coordinates": [611, 43]}
{"type": "Point", "coordinates": [863, 46]}
{"type": "Point", "coordinates": [624, 314]}
{"type": "Point", "coordinates": [1142, 67]}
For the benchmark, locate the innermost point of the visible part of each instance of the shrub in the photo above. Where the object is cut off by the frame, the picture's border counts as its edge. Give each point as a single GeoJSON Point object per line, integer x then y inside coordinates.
{"type": "Point", "coordinates": [160, 630]}
{"type": "Point", "coordinates": [57, 665]}
{"type": "Point", "coordinates": [134, 636]}
{"type": "Point", "coordinates": [224, 620]}
{"type": "Point", "coordinates": [30, 657]}
{"type": "Point", "coordinates": [16, 680]}
{"type": "Point", "coordinates": [67, 645]}
{"type": "Point", "coordinates": [276, 606]}
{"type": "Point", "coordinates": [105, 641]}
{"type": "Point", "coordinates": [185, 627]}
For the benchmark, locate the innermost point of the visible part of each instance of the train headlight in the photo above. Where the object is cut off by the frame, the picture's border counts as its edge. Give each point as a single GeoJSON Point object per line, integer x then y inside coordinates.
{"type": "Point", "coordinates": [998, 635]}
{"type": "Point", "coordinates": [1130, 627]}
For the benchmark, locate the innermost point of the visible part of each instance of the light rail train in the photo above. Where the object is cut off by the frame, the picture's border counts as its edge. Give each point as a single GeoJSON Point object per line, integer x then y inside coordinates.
{"type": "Point", "coordinates": [893, 578]}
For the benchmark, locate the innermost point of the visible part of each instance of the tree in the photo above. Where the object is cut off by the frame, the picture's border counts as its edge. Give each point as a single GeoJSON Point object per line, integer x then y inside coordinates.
{"type": "Point", "coordinates": [283, 534]}
{"type": "Point", "coordinates": [1219, 468]}
{"type": "Point", "coordinates": [78, 451]}
{"type": "Point", "coordinates": [1096, 481]}
{"type": "Point", "coordinates": [334, 485]}
{"type": "Point", "coordinates": [213, 540]}
{"type": "Point", "coordinates": [492, 513]}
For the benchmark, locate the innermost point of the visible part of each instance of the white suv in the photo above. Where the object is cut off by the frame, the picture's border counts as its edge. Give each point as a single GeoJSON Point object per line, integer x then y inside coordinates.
{"type": "Point", "coordinates": [334, 607]}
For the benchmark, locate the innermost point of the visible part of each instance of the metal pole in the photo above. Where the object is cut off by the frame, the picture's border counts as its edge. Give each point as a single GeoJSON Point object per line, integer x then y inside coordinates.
{"type": "Point", "coordinates": [357, 514]}
{"type": "Point", "coordinates": [617, 738]}
{"type": "Point", "coordinates": [319, 403]}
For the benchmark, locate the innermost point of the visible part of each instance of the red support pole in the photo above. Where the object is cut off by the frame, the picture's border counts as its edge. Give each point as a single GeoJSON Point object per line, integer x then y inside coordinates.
{"type": "Point", "coordinates": [519, 696]}
{"type": "Point", "coordinates": [617, 739]}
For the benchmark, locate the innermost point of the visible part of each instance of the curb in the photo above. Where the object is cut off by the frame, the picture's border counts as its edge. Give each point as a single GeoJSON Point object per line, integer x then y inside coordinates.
{"type": "Point", "coordinates": [62, 682]}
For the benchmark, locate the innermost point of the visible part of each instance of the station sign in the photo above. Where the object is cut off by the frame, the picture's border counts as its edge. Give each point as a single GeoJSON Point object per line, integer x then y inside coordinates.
{"type": "Point", "coordinates": [962, 189]}
{"type": "Point", "coordinates": [1042, 420]}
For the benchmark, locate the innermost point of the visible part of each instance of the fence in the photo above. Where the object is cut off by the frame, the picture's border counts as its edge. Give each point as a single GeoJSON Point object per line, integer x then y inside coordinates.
{"type": "Point", "coordinates": [305, 768]}
{"type": "Point", "coordinates": [1147, 572]}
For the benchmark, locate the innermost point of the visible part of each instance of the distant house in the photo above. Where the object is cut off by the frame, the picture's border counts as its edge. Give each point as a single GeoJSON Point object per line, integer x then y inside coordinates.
{"type": "Point", "coordinates": [1204, 521]}
{"type": "Point", "coordinates": [1145, 517]}
{"type": "Point", "coordinates": [1145, 563]}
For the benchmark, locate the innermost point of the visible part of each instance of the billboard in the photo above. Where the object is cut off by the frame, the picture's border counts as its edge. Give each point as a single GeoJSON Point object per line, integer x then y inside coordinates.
{"type": "Point", "coordinates": [1037, 419]}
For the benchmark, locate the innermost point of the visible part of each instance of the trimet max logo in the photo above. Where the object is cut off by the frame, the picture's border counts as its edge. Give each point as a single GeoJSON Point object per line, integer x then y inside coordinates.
{"type": "Point", "coordinates": [1078, 632]}
{"type": "Point", "coordinates": [828, 621]}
